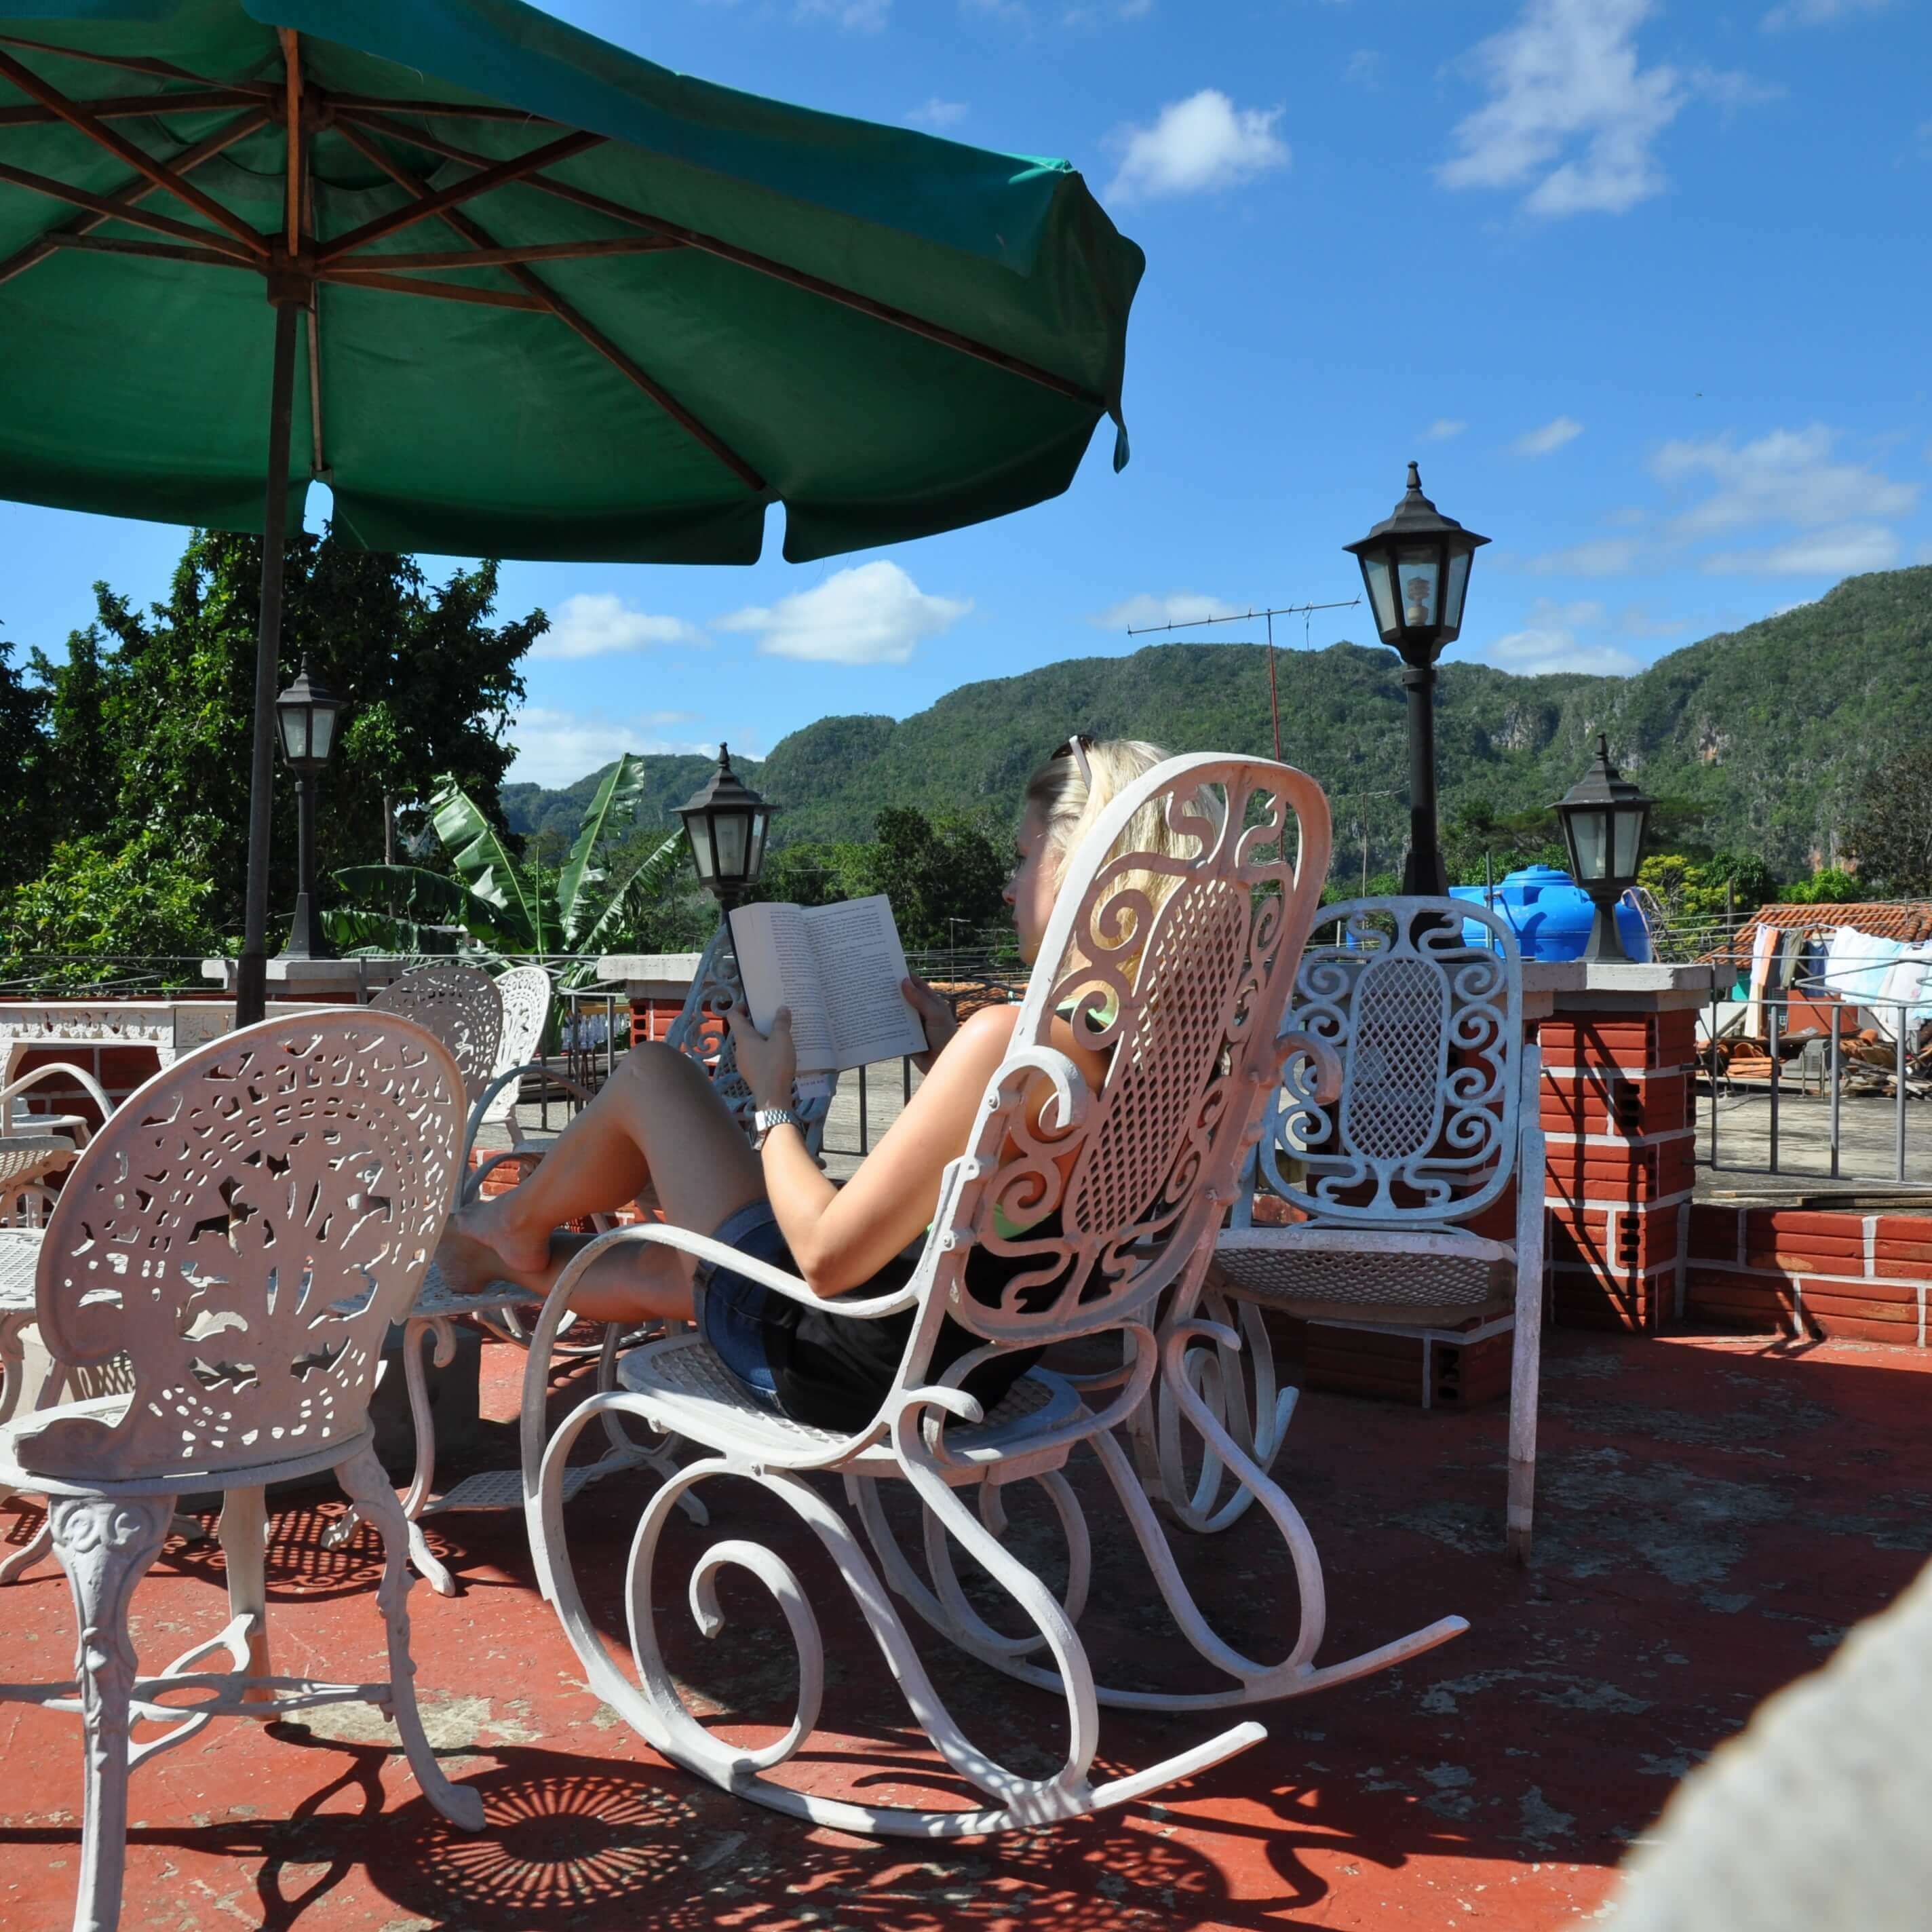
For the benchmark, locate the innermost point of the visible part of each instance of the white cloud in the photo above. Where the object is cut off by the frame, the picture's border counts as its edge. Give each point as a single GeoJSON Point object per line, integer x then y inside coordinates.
{"type": "Point", "coordinates": [1817, 13]}
{"type": "Point", "coordinates": [1144, 610]}
{"type": "Point", "coordinates": [872, 613]}
{"type": "Point", "coordinates": [557, 747]}
{"type": "Point", "coordinates": [1787, 477]}
{"type": "Point", "coordinates": [864, 16]}
{"type": "Point", "coordinates": [598, 625]}
{"type": "Point", "coordinates": [1548, 643]}
{"type": "Point", "coordinates": [1572, 114]}
{"type": "Point", "coordinates": [1602, 556]}
{"type": "Point", "coordinates": [937, 113]}
{"type": "Point", "coordinates": [1203, 143]}
{"type": "Point", "coordinates": [1551, 437]}
{"type": "Point", "coordinates": [1442, 429]}
{"type": "Point", "coordinates": [1364, 67]}
{"type": "Point", "coordinates": [1634, 621]}
{"type": "Point", "coordinates": [1832, 553]}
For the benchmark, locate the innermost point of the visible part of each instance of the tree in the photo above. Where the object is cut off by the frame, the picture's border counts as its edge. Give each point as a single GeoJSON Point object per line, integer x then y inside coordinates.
{"type": "Point", "coordinates": [585, 904]}
{"type": "Point", "coordinates": [1891, 833]}
{"type": "Point", "coordinates": [24, 781]}
{"type": "Point", "coordinates": [438, 680]}
{"type": "Point", "coordinates": [94, 902]}
{"type": "Point", "coordinates": [941, 876]}
{"type": "Point", "coordinates": [1478, 841]}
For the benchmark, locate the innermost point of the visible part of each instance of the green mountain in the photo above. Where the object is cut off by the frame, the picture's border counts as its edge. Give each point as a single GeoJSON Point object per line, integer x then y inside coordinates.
{"type": "Point", "coordinates": [1763, 734]}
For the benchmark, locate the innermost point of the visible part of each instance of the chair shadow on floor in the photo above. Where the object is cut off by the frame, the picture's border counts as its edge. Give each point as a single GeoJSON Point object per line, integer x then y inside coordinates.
{"type": "Point", "coordinates": [569, 1839]}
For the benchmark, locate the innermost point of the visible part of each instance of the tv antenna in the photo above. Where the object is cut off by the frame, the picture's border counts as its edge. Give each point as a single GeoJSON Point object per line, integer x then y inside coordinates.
{"type": "Point", "coordinates": [1303, 611]}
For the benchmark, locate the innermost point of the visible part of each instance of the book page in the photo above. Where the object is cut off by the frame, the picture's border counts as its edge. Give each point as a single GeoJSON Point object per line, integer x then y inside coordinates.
{"type": "Point", "coordinates": [860, 964]}
{"type": "Point", "coordinates": [777, 969]}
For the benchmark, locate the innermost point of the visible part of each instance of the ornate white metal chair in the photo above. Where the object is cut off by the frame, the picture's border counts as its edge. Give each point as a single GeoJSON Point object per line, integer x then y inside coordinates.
{"type": "Point", "coordinates": [1134, 1177]}
{"type": "Point", "coordinates": [1437, 1116]}
{"type": "Point", "coordinates": [458, 1003]}
{"type": "Point", "coordinates": [245, 1228]}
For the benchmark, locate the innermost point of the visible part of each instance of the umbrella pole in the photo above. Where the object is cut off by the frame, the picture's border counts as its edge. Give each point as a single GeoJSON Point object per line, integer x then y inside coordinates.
{"type": "Point", "coordinates": [251, 975]}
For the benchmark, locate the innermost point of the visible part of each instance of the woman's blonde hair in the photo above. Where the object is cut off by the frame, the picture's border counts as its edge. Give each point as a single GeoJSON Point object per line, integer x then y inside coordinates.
{"type": "Point", "coordinates": [1075, 786]}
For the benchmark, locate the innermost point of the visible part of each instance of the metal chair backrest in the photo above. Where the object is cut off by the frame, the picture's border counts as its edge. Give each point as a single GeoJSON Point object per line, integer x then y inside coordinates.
{"type": "Point", "coordinates": [1185, 997]}
{"type": "Point", "coordinates": [699, 1032]}
{"type": "Point", "coordinates": [461, 1005]}
{"type": "Point", "coordinates": [1427, 1020]}
{"type": "Point", "coordinates": [525, 994]}
{"type": "Point", "coordinates": [246, 1227]}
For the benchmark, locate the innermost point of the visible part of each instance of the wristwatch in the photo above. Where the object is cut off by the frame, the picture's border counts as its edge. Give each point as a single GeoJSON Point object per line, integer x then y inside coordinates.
{"type": "Point", "coordinates": [768, 1118]}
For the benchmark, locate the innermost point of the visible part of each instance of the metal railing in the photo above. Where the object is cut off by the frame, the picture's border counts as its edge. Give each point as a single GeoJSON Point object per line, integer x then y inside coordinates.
{"type": "Point", "coordinates": [1897, 1066]}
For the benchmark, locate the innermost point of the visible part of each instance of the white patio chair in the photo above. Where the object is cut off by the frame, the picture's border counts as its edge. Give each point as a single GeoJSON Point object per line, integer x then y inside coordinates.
{"type": "Point", "coordinates": [1138, 1173]}
{"type": "Point", "coordinates": [458, 1003]}
{"type": "Point", "coordinates": [244, 1229]}
{"type": "Point", "coordinates": [696, 1033]}
{"type": "Point", "coordinates": [1438, 1115]}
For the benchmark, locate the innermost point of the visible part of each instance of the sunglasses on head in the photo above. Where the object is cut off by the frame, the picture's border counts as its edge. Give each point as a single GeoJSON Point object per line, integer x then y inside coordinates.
{"type": "Point", "coordinates": [1076, 748]}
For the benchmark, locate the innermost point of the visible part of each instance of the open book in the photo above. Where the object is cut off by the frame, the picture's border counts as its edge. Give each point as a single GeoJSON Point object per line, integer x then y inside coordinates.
{"type": "Point", "coordinates": [838, 968]}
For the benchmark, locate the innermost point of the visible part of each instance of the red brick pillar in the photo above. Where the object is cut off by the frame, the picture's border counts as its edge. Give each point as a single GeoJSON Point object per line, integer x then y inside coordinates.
{"type": "Point", "coordinates": [1619, 1123]}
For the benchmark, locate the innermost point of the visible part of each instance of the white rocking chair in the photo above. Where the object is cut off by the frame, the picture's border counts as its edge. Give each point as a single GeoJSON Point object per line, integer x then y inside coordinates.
{"type": "Point", "coordinates": [1437, 1114]}
{"type": "Point", "coordinates": [245, 1228]}
{"type": "Point", "coordinates": [1139, 1173]}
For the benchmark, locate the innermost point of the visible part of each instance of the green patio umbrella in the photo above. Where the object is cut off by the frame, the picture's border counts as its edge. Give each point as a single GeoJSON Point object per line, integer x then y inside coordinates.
{"type": "Point", "coordinates": [511, 291]}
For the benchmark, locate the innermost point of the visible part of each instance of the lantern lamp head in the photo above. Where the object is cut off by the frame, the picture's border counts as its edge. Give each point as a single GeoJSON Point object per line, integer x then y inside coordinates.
{"type": "Point", "coordinates": [1415, 568]}
{"type": "Point", "coordinates": [1604, 817]}
{"type": "Point", "coordinates": [726, 823]}
{"type": "Point", "coordinates": [306, 716]}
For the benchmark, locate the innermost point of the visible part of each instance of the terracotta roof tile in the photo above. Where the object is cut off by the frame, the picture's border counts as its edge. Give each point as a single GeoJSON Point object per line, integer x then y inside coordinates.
{"type": "Point", "coordinates": [1906, 920]}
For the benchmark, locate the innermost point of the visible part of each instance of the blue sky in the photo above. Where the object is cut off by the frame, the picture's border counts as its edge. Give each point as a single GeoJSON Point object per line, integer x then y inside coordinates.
{"type": "Point", "coordinates": [1643, 287]}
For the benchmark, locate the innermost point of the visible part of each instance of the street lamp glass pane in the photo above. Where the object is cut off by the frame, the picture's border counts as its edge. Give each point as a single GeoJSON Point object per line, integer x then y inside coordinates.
{"type": "Point", "coordinates": [321, 730]}
{"type": "Point", "coordinates": [293, 719]}
{"type": "Point", "coordinates": [1452, 597]}
{"type": "Point", "coordinates": [758, 823]}
{"type": "Point", "coordinates": [700, 830]}
{"type": "Point", "coordinates": [1589, 844]}
{"type": "Point", "coordinates": [1629, 836]}
{"type": "Point", "coordinates": [733, 832]}
{"type": "Point", "coordinates": [1382, 594]}
{"type": "Point", "coordinates": [1416, 574]}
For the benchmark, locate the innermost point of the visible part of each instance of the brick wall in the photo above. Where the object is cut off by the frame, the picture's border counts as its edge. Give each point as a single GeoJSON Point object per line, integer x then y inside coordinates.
{"type": "Point", "coordinates": [1807, 1273]}
{"type": "Point", "coordinates": [1619, 1165]}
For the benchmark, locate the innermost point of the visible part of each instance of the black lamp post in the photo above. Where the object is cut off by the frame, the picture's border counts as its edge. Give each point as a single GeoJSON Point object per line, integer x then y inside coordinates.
{"type": "Point", "coordinates": [1415, 566]}
{"type": "Point", "coordinates": [1603, 816]}
{"type": "Point", "coordinates": [726, 824]}
{"type": "Point", "coordinates": [306, 715]}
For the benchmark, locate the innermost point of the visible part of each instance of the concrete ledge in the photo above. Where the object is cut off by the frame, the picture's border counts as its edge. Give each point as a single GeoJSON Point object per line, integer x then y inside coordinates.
{"type": "Point", "coordinates": [650, 976]}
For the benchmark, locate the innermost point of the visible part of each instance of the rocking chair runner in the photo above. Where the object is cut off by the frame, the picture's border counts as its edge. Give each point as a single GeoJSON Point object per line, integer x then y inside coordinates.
{"type": "Point", "coordinates": [245, 1228]}
{"type": "Point", "coordinates": [1135, 1177]}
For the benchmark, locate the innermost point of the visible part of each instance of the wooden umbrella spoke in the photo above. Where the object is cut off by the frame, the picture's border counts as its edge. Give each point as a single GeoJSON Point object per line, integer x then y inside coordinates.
{"type": "Point", "coordinates": [206, 149]}
{"type": "Point", "coordinates": [435, 202]}
{"type": "Point", "coordinates": [410, 285]}
{"type": "Point", "coordinates": [746, 258]}
{"type": "Point", "coordinates": [538, 251]}
{"type": "Point", "coordinates": [159, 251]}
{"type": "Point", "coordinates": [579, 324]}
{"type": "Point", "coordinates": [110, 209]}
{"type": "Point", "coordinates": [444, 110]}
{"type": "Point", "coordinates": [163, 176]}
{"type": "Point", "coordinates": [127, 106]}
{"type": "Point", "coordinates": [135, 64]}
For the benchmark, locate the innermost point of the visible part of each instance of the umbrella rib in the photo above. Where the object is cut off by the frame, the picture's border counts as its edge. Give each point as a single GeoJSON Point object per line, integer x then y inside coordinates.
{"type": "Point", "coordinates": [405, 285]}
{"type": "Point", "coordinates": [126, 107]}
{"type": "Point", "coordinates": [473, 232]}
{"type": "Point", "coordinates": [135, 64]}
{"type": "Point", "coordinates": [77, 117]}
{"type": "Point", "coordinates": [434, 202]}
{"type": "Point", "coordinates": [109, 209]}
{"type": "Point", "coordinates": [38, 251]}
{"type": "Point", "coordinates": [447, 109]}
{"type": "Point", "coordinates": [539, 251]}
{"type": "Point", "coordinates": [159, 251]}
{"type": "Point", "coordinates": [763, 264]}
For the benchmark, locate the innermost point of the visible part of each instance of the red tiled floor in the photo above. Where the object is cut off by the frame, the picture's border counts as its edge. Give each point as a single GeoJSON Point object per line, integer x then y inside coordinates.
{"type": "Point", "coordinates": [1713, 1513]}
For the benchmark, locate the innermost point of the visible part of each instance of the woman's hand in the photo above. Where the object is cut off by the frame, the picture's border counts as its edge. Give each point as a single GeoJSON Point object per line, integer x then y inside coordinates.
{"type": "Point", "coordinates": [769, 1061]}
{"type": "Point", "coordinates": [935, 1016]}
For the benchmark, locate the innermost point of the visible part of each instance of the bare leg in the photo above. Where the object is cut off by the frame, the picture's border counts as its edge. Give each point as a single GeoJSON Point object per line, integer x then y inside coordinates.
{"type": "Point", "coordinates": [657, 1122]}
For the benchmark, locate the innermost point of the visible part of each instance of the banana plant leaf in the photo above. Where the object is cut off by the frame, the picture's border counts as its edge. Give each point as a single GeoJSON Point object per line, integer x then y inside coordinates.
{"type": "Point", "coordinates": [646, 879]}
{"type": "Point", "coordinates": [422, 897]}
{"type": "Point", "coordinates": [480, 858]}
{"type": "Point", "coordinates": [616, 804]}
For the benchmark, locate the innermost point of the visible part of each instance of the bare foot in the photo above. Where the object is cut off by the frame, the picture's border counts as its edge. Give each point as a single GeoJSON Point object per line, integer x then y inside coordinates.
{"type": "Point", "coordinates": [472, 1254]}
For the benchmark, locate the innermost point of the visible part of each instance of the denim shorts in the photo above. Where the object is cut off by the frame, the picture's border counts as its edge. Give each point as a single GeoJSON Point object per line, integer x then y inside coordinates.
{"type": "Point", "coordinates": [731, 1307]}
